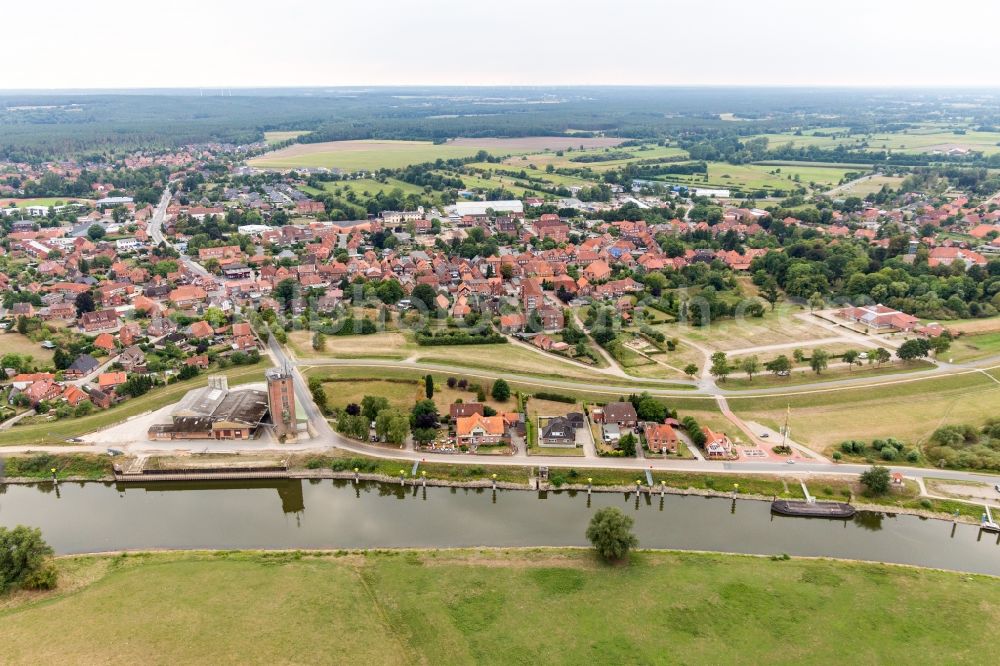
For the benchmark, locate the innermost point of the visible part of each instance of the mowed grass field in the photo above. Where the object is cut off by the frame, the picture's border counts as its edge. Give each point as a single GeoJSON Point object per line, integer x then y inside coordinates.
{"type": "Point", "coordinates": [14, 343]}
{"type": "Point", "coordinates": [498, 607]}
{"type": "Point", "coordinates": [372, 154]}
{"type": "Point", "coordinates": [910, 409]}
{"type": "Point", "coordinates": [777, 327]}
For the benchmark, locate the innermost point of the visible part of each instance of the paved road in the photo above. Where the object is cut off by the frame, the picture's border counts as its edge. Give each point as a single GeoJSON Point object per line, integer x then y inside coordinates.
{"type": "Point", "coordinates": [155, 229]}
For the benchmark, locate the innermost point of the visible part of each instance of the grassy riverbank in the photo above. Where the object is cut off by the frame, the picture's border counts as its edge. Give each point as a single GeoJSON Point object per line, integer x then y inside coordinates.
{"type": "Point", "coordinates": [900, 499]}
{"type": "Point", "coordinates": [496, 606]}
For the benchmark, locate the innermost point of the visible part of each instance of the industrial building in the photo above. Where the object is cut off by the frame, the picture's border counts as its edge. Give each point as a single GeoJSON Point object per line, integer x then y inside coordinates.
{"type": "Point", "coordinates": [215, 412]}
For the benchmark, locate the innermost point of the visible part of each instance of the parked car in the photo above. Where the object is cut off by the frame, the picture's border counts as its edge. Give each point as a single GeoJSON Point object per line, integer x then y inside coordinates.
{"type": "Point", "coordinates": [996, 487]}
{"type": "Point", "coordinates": [764, 435]}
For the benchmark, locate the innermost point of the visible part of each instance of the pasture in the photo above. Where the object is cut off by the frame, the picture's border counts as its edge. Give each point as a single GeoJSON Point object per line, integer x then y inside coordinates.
{"type": "Point", "coordinates": [909, 409]}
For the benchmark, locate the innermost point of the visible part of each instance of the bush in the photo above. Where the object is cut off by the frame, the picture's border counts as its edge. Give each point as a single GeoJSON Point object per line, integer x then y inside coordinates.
{"type": "Point", "coordinates": [23, 554]}
{"type": "Point", "coordinates": [45, 577]}
{"type": "Point", "coordinates": [554, 397]}
{"type": "Point", "coordinates": [876, 480]}
{"type": "Point", "coordinates": [837, 455]}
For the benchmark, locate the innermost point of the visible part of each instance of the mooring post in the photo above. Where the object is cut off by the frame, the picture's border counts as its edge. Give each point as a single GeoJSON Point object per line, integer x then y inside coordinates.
{"type": "Point", "coordinates": [55, 479]}
{"type": "Point", "coordinates": [402, 477]}
{"type": "Point", "coordinates": [494, 482]}
{"type": "Point", "coordinates": [590, 484]}
{"type": "Point", "coordinates": [638, 487]}
{"type": "Point", "coordinates": [663, 488]}
{"type": "Point", "coordinates": [423, 477]}
{"type": "Point", "coordinates": [357, 477]}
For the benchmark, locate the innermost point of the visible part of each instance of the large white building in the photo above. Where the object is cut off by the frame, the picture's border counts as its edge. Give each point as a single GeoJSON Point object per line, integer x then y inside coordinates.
{"type": "Point", "coordinates": [479, 207]}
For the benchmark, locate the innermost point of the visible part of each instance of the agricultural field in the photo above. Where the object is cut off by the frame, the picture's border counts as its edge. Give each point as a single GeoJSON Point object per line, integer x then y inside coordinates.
{"type": "Point", "coordinates": [928, 137]}
{"type": "Point", "coordinates": [869, 185]}
{"type": "Point", "coordinates": [760, 176]}
{"type": "Point", "coordinates": [542, 160]}
{"type": "Point", "coordinates": [367, 186]}
{"type": "Point", "coordinates": [909, 409]}
{"type": "Point", "coordinates": [278, 136]}
{"type": "Point", "coordinates": [552, 178]}
{"type": "Point", "coordinates": [372, 154]}
{"type": "Point", "coordinates": [448, 607]}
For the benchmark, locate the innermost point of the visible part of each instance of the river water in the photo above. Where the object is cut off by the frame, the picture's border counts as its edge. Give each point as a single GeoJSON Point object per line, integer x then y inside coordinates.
{"type": "Point", "coordinates": [78, 517]}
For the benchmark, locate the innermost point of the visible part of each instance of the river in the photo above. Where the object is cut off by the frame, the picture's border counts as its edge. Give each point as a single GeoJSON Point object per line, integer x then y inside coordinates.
{"type": "Point", "coordinates": [90, 517]}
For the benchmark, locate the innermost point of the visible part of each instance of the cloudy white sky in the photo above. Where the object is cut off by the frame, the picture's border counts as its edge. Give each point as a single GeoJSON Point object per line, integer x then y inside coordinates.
{"type": "Point", "coordinates": [241, 43]}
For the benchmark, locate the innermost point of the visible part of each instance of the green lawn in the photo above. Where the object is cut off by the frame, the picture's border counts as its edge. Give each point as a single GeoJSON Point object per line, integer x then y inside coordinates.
{"type": "Point", "coordinates": [534, 606]}
{"type": "Point", "coordinates": [973, 347]}
{"type": "Point", "coordinates": [57, 432]}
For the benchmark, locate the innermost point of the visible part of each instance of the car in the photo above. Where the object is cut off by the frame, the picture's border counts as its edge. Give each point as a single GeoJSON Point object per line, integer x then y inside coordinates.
{"type": "Point", "coordinates": [863, 356]}
{"type": "Point", "coordinates": [789, 462]}
{"type": "Point", "coordinates": [996, 487]}
{"type": "Point", "coordinates": [764, 435]}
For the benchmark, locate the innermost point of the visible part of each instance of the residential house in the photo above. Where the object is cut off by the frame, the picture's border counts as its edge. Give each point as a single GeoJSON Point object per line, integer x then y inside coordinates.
{"type": "Point", "coordinates": [99, 320]}
{"type": "Point", "coordinates": [83, 365]}
{"type": "Point", "coordinates": [660, 438]}
{"type": "Point", "coordinates": [464, 409]}
{"type": "Point", "coordinates": [717, 445]}
{"type": "Point", "coordinates": [108, 381]}
{"type": "Point", "coordinates": [621, 414]}
{"type": "Point", "coordinates": [133, 359]}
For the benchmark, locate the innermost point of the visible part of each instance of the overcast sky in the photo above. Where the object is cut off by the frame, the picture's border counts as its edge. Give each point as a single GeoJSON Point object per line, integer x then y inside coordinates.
{"type": "Point", "coordinates": [242, 43]}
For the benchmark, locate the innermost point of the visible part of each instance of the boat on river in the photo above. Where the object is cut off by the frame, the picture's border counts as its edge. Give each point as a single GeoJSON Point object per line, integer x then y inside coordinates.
{"type": "Point", "coordinates": [805, 509]}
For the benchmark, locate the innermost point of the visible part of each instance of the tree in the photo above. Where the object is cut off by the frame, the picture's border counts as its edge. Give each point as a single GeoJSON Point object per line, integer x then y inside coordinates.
{"type": "Point", "coordinates": [96, 232]}
{"type": "Point", "coordinates": [62, 359]}
{"type": "Point", "coordinates": [355, 426]}
{"type": "Point", "coordinates": [876, 480]}
{"type": "Point", "coordinates": [371, 405]}
{"type": "Point", "coordinates": [424, 293]}
{"type": "Point", "coordinates": [24, 559]}
{"type": "Point", "coordinates": [424, 415]}
{"type": "Point", "coordinates": [627, 444]}
{"type": "Point", "coordinates": [779, 365]}
{"type": "Point", "coordinates": [392, 425]}
{"type": "Point", "coordinates": [880, 356]}
{"type": "Point", "coordinates": [720, 366]}
{"type": "Point", "coordinates": [816, 301]}
{"type": "Point", "coordinates": [798, 355]}
{"type": "Point", "coordinates": [770, 292]}
{"type": "Point", "coordinates": [429, 386]}
{"type": "Point", "coordinates": [84, 302]}
{"type": "Point", "coordinates": [690, 369]}
{"type": "Point", "coordinates": [914, 349]}
{"type": "Point", "coordinates": [819, 361]}
{"type": "Point", "coordinates": [319, 341]}
{"type": "Point", "coordinates": [610, 531]}
{"type": "Point", "coordinates": [500, 391]}
{"type": "Point", "coordinates": [751, 366]}
{"type": "Point", "coordinates": [850, 358]}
